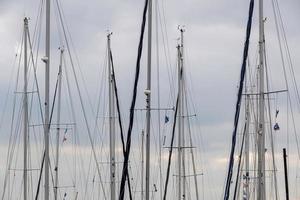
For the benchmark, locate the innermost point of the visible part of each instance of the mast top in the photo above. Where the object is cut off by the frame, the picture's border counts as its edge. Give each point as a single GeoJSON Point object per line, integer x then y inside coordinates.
{"type": "Point", "coordinates": [109, 33]}
{"type": "Point", "coordinates": [26, 20]}
{"type": "Point", "coordinates": [62, 48]}
{"type": "Point", "coordinates": [181, 28]}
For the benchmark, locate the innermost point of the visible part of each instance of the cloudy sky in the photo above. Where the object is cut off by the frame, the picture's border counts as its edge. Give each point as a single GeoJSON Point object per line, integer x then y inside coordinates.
{"type": "Point", "coordinates": [215, 32]}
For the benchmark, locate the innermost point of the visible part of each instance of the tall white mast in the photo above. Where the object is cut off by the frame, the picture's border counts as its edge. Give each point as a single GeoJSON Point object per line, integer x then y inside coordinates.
{"type": "Point", "coordinates": [112, 133]}
{"type": "Point", "coordinates": [142, 168]}
{"type": "Point", "coordinates": [181, 167]}
{"type": "Point", "coordinates": [148, 99]}
{"type": "Point", "coordinates": [58, 123]}
{"type": "Point", "coordinates": [158, 100]}
{"type": "Point", "coordinates": [247, 142]}
{"type": "Point", "coordinates": [179, 125]}
{"type": "Point", "coordinates": [261, 187]}
{"type": "Point", "coordinates": [182, 117]}
{"type": "Point", "coordinates": [47, 85]}
{"type": "Point", "coordinates": [25, 109]}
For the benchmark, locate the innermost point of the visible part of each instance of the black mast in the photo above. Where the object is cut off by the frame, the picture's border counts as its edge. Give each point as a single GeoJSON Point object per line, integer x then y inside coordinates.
{"type": "Point", "coordinates": [286, 175]}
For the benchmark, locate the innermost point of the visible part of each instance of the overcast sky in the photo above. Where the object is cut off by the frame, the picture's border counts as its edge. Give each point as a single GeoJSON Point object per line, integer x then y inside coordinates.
{"type": "Point", "coordinates": [214, 38]}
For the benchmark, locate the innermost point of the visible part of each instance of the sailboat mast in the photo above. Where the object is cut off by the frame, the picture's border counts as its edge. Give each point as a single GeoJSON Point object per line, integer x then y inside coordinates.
{"type": "Point", "coordinates": [182, 115]}
{"type": "Point", "coordinates": [47, 103]}
{"type": "Point", "coordinates": [179, 125]}
{"type": "Point", "coordinates": [58, 123]}
{"type": "Point", "coordinates": [158, 99]}
{"type": "Point", "coordinates": [148, 100]}
{"type": "Point", "coordinates": [112, 143]}
{"type": "Point", "coordinates": [286, 177]}
{"type": "Point", "coordinates": [261, 187]}
{"type": "Point", "coordinates": [181, 166]}
{"type": "Point", "coordinates": [142, 168]}
{"type": "Point", "coordinates": [25, 109]}
{"type": "Point", "coordinates": [247, 142]}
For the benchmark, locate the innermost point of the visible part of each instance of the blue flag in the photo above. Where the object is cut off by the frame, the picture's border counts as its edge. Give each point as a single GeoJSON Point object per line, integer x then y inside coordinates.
{"type": "Point", "coordinates": [166, 119]}
{"type": "Point", "coordinates": [276, 127]}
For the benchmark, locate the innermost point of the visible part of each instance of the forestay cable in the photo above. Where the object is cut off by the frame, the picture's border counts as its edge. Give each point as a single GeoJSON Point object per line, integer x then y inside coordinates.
{"type": "Point", "coordinates": [238, 103]}
{"type": "Point", "coordinates": [119, 117]}
{"type": "Point", "coordinates": [81, 101]}
{"type": "Point", "coordinates": [137, 73]}
{"type": "Point", "coordinates": [170, 151]}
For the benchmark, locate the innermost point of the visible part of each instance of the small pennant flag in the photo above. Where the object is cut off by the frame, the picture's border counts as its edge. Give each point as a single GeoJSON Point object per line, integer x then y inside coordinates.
{"type": "Point", "coordinates": [155, 188]}
{"type": "Point", "coordinates": [166, 119]}
{"type": "Point", "coordinates": [276, 127]}
{"type": "Point", "coordinates": [277, 112]}
{"type": "Point", "coordinates": [65, 195]}
{"type": "Point", "coordinates": [65, 135]}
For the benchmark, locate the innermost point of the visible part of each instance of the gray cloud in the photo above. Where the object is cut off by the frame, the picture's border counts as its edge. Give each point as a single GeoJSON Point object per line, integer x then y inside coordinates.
{"type": "Point", "coordinates": [215, 31]}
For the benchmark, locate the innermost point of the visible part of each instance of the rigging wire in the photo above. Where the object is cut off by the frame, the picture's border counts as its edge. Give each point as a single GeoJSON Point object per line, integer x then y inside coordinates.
{"type": "Point", "coordinates": [81, 100]}
{"type": "Point", "coordinates": [50, 122]}
{"type": "Point", "coordinates": [280, 26]}
{"type": "Point", "coordinates": [119, 117]}
{"type": "Point", "coordinates": [59, 17]}
{"type": "Point", "coordinates": [73, 118]}
{"type": "Point", "coordinates": [11, 139]}
{"type": "Point", "coordinates": [39, 97]}
{"type": "Point", "coordinates": [238, 103]}
{"type": "Point", "coordinates": [101, 94]}
{"type": "Point", "coordinates": [33, 63]}
{"type": "Point", "coordinates": [137, 73]}
{"type": "Point", "coordinates": [158, 97]}
{"type": "Point", "coordinates": [191, 145]}
{"type": "Point", "coordinates": [270, 123]}
{"type": "Point", "coordinates": [190, 91]}
{"type": "Point", "coordinates": [170, 151]}
{"type": "Point", "coordinates": [165, 42]}
{"type": "Point", "coordinates": [34, 67]}
{"type": "Point", "coordinates": [239, 163]}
